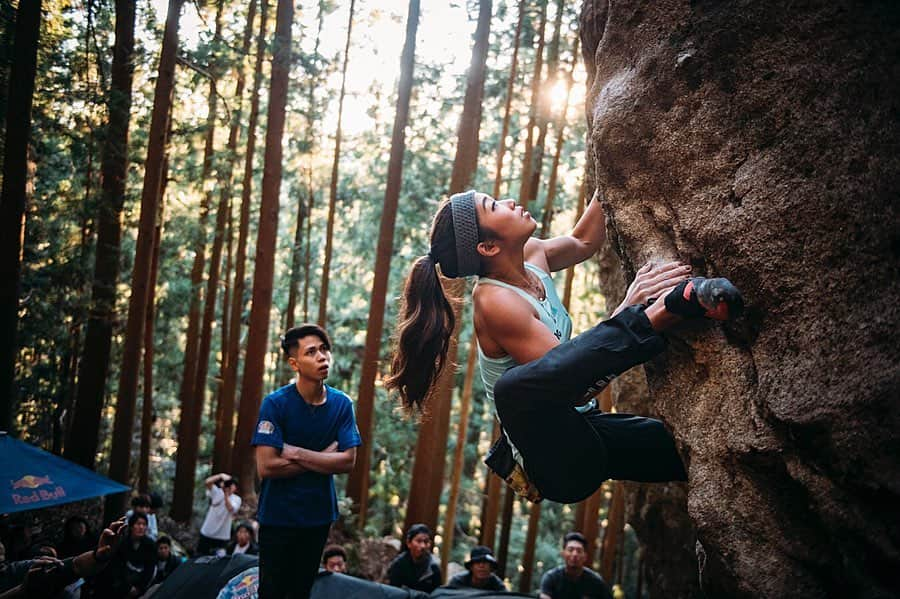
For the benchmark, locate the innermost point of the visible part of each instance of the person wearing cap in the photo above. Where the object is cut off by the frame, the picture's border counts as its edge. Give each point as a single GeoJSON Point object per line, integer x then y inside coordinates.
{"type": "Point", "coordinates": [306, 433]}
{"type": "Point", "coordinates": [572, 580]}
{"type": "Point", "coordinates": [541, 382]}
{"type": "Point", "coordinates": [415, 567]}
{"type": "Point", "coordinates": [480, 572]}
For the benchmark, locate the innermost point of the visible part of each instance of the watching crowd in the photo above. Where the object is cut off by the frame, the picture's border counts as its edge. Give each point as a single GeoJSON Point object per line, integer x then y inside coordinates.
{"type": "Point", "coordinates": [131, 556]}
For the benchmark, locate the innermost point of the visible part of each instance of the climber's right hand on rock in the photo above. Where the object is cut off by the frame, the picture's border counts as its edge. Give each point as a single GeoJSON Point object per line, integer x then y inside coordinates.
{"type": "Point", "coordinates": [654, 280]}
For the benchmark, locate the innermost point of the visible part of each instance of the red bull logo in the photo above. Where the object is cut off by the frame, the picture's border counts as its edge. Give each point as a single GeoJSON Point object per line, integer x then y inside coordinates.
{"type": "Point", "coordinates": [244, 585]}
{"type": "Point", "coordinates": [29, 481]}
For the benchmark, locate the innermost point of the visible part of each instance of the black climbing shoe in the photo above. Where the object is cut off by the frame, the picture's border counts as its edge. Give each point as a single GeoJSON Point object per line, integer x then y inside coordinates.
{"type": "Point", "coordinates": [717, 299]}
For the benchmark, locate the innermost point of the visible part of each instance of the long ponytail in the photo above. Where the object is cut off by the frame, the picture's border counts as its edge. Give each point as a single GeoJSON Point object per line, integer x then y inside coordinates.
{"type": "Point", "coordinates": [426, 318]}
{"type": "Point", "coordinates": [423, 335]}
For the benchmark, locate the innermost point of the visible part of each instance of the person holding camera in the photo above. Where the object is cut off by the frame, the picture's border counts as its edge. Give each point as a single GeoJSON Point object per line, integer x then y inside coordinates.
{"type": "Point", "coordinates": [224, 504]}
{"type": "Point", "coordinates": [47, 577]}
{"type": "Point", "coordinates": [131, 568]}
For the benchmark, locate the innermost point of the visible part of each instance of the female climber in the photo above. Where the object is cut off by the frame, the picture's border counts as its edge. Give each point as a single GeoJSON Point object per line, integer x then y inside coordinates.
{"type": "Point", "coordinates": [556, 443]}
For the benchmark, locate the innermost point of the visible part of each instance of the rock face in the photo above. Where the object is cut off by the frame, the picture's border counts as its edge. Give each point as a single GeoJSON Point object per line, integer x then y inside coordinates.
{"type": "Point", "coordinates": [657, 512]}
{"type": "Point", "coordinates": [759, 141]}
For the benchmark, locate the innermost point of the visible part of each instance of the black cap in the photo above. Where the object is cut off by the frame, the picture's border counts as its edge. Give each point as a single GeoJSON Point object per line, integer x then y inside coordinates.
{"type": "Point", "coordinates": [480, 553]}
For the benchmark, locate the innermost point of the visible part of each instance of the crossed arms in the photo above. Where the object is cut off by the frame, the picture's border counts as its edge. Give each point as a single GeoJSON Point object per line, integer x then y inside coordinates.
{"type": "Point", "coordinates": [293, 460]}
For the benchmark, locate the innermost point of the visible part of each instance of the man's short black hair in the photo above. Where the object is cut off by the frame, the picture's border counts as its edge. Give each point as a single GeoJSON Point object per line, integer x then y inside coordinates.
{"type": "Point", "coordinates": [142, 500]}
{"type": "Point", "coordinates": [137, 516]}
{"type": "Point", "coordinates": [575, 536]}
{"type": "Point", "coordinates": [246, 526]}
{"type": "Point", "coordinates": [163, 540]}
{"type": "Point", "coordinates": [333, 550]}
{"type": "Point", "coordinates": [229, 482]}
{"type": "Point", "coordinates": [418, 529]}
{"type": "Point", "coordinates": [289, 340]}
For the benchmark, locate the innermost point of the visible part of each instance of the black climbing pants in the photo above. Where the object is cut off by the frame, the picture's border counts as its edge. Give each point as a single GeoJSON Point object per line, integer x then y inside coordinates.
{"type": "Point", "coordinates": [566, 454]}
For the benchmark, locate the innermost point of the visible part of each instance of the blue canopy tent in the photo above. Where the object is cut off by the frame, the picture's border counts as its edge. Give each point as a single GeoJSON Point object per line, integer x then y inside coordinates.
{"type": "Point", "coordinates": [31, 478]}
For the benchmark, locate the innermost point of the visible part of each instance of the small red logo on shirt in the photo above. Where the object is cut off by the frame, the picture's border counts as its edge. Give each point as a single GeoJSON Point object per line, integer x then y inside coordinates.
{"type": "Point", "coordinates": [265, 427]}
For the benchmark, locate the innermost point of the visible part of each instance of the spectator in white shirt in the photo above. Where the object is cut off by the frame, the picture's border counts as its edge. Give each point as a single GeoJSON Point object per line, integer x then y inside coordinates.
{"type": "Point", "coordinates": [223, 506]}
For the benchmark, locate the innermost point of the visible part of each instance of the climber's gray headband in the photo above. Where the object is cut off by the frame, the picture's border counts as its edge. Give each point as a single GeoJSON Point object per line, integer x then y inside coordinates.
{"type": "Point", "coordinates": [465, 229]}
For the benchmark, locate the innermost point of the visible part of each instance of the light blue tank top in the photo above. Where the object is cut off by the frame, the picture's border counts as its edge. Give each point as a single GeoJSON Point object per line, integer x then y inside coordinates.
{"type": "Point", "coordinates": [551, 312]}
{"type": "Point", "coordinates": [554, 316]}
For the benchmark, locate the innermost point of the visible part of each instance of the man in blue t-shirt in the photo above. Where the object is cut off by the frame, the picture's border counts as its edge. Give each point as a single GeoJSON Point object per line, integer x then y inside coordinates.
{"type": "Point", "coordinates": [305, 434]}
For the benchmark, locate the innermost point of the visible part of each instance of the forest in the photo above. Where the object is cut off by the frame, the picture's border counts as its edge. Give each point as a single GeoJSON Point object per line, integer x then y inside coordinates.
{"type": "Point", "coordinates": [183, 181]}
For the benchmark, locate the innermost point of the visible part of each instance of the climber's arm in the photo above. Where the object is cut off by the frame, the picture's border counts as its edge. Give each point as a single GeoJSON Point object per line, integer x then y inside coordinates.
{"type": "Point", "coordinates": [558, 253]}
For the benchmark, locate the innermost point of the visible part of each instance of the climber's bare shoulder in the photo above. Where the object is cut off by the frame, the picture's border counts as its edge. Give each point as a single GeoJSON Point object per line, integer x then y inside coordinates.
{"type": "Point", "coordinates": [508, 325]}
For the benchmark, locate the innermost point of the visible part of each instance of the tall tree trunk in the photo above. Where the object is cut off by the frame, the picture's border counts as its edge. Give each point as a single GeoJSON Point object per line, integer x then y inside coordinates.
{"type": "Point", "coordinates": [199, 327]}
{"type": "Point", "coordinates": [223, 449]}
{"type": "Point", "coordinates": [506, 525]}
{"type": "Point", "coordinates": [543, 110]}
{"type": "Point", "coordinates": [463, 172]}
{"type": "Point", "coordinates": [547, 217]}
{"type": "Point", "coordinates": [297, 255]}
{"type": "Point", "coordinates": [534, 520]}
{"type": "Point", "coordinates": [307, 255]}
{"type": "Point", "coordinates": [615, 522]}
{"type": "Point", "coordinates": [81, 446]}
{"type": "Point", "coordinates": [590, 523]}
{"type": "Point", "coordinates": [570, 272]}
{"type": "Point", "coordinates": [12, 196]}
{"type": "Point", "coordinates": [524, 192]}
{"type": "Point", "coordinates": [458, 455]}
{"type": "Point", "coordinates": [294, 279]}
{"type": "Point", "coordinates": [296, 265]}
{"type": "Point", "coordinates": [120, 455]}
{"type": "Point", "coordinates": [147, 402]}
{"type": "Point", "coordinates": [431, 446]}
{"type": "Point", "coordinates": [226, 305]}
{"type": "Point", "coordinates": [510, 84]}
{"type": "Point", "coordinates": [258, 339]}
{"type": "Point", "coordinates": [227, 178]}
{"type": "Point", "coordinates": [332, 188]}
{"type": "Point", "coordinates": [491, 505]}
{"type": "Point", "coordinates": [358, 481]}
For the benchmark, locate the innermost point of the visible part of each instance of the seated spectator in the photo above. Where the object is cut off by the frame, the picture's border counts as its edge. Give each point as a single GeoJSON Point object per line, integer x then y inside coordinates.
{"type": "Point", "coordinates": [334, 559]}
{"type": "Point", "coordinates": [131, 568]}
{"type": "Point", "coordinates": [243, 541]}
{"type": "Point", "coordinates": [18, 543]}
{"type": "Point", "coordinates": [77, 537]}
{"type": "Point", "coordinates": [415, 566]}
{"type": "Point", "coordinates": [12, 572]}
{"type": "Point", "coordinates": [572, 579]}
{"type": "Point", "coordinates": [48, 577]}
{"type": "Point", "coordinates": [166, 562]}
{"type": "Point", "coordinates": [480, 572]}
{"type": "Point", "coordinates": [144, 504]}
